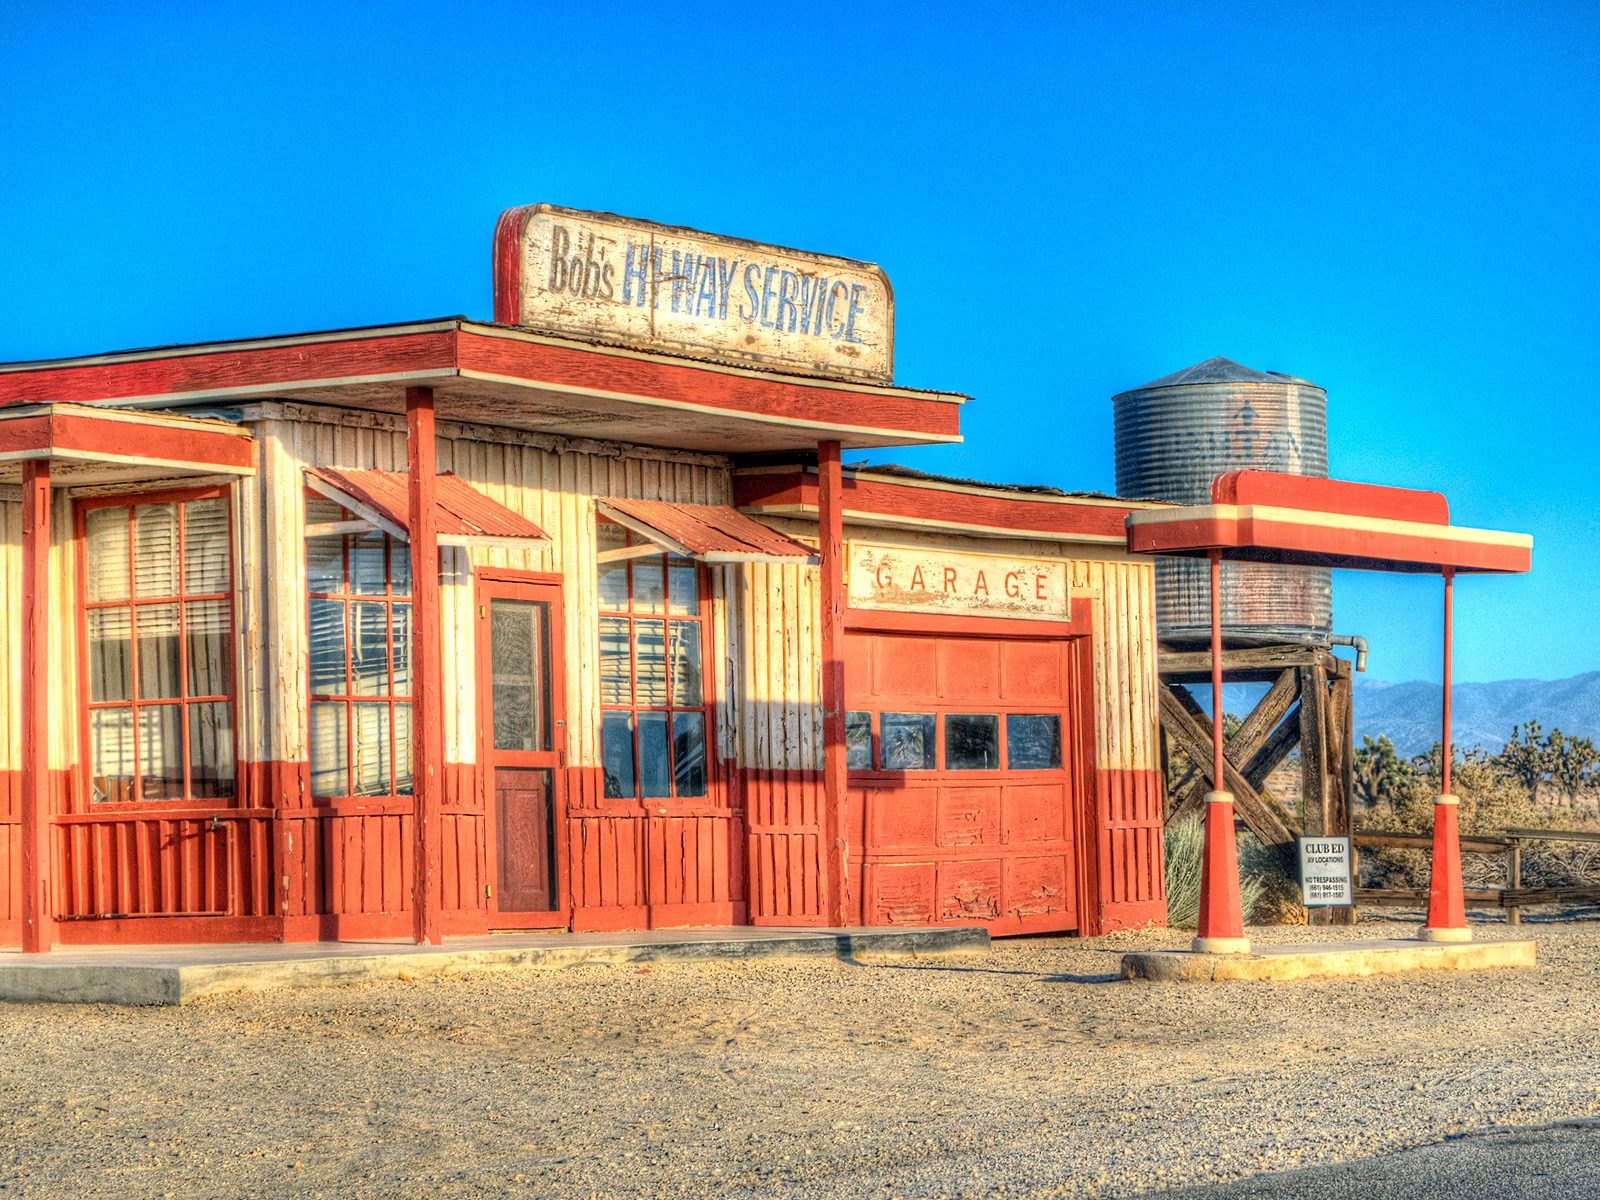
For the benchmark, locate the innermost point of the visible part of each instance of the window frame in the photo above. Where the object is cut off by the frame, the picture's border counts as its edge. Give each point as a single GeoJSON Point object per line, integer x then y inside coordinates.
{"type": "Point", "coordinates": [82, 506]}
{"type": "Point", "coordinates": [350, 699]}
{"type": "Point", "coordinates": [707, 706]}
{"type": "Point", "coordinates": [940, 714]}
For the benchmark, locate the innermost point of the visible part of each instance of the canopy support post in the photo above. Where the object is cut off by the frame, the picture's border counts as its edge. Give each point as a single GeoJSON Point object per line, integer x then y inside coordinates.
{"type": "Point", "coordinates": [427, 732]}
{"type": "Point", "coordinates": [830, 530]}
{"type": "Point", "coordinates": [1447, 910]}
{"type": "Point", "coordinates": [1221, 924]}
{"type": "Point", "coordinates": [38, 908]}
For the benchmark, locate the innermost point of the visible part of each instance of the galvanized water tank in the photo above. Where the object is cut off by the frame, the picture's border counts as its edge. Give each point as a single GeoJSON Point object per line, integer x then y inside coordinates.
{"type": "Point", "coordinates": [1173, 437]}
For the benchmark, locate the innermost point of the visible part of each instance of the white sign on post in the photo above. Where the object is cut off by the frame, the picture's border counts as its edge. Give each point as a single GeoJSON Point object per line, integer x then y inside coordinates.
{"type": "Point", "coordinates": [1325, 872]}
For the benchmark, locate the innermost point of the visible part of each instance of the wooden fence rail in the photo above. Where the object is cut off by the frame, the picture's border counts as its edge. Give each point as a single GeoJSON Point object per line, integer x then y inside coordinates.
{"type": "Point", "coordinates": [1513, 898]}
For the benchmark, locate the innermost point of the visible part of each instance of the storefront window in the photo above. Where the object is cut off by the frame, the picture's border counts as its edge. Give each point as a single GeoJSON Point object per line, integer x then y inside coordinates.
{"type": "Point", "coordinates": [158, 636]}
{"type": "Point", "coordinates": [358, 609]}
{"type": "Point", "coordinates": [652, 693]}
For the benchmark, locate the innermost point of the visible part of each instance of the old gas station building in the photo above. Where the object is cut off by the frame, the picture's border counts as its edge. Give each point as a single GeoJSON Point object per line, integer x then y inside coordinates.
{"type": "Point", "coordinates": [676, 665]}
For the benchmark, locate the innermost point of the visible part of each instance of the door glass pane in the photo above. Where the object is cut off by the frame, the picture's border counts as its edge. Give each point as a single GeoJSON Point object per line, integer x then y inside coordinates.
{"type": "Point", "coordinates": [616, 667]}
{"type": "Point", "coordinates": [110, 654]}
{"type": "Point", "coordinates": [399, 568]}
{"type": "Point", "coordinates": [211, 751]}
{"type": "Point", "coordinates": [402, 750]}
{"type": "Point", "coordinates": [106, 555]}
{"type": "Point", "coordinates": [858, 741]}
{"type": "Point", "coordinates": [655, 766]}
{"type": "Point", "coordinates": [369, 650]}
{"type": "Point", "coordinates": [651, 647]}
{"type": "Point", "coordinates": [516, 665]}
{"type": "Point", "coordinates": [683, 587]}
{"type": "Point", "coordinates": [1033, 742]}
{"type": "Point", "coordinates": [649, 585]}
{"type": "Point", "coordinates": [157, 628]}
{"type": "Point", "coordinates": [686, 690]}
{"type": "Point", "coordinates": [205, 546]}
{"type": "Point", "coordinates": [206, 626]}
{"type": "Point", "coordinates": [155, 550]}
{"type": "Point", "coordinates": [616, 751]}
{"type": "Point", "coordinates": [111, 750]}
{"type": "Point", "coordinates": [369, 768]}
{"type": "Point", "coordinates": [367, 576]}
{"type": "Point", "coordinates": [327, 647]}
{"type": "Point", "coordinates": [907, 741]}
{"type": "Point", "coordinates": [328, 750]}
{"type": "Point", "coordinates": [971, 742]}
{"type": "Point", "coordinates": [689, 753]}
{"type": "Point", "coordinates": [160, 752]}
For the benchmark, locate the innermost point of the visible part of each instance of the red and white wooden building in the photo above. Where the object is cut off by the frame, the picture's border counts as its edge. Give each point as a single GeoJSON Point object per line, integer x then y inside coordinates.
{"type": "Point", "coordinates": [676, 665]}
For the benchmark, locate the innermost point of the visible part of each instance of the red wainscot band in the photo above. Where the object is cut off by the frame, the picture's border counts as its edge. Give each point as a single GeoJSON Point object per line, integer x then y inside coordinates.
{"type": "Point", "coordinates": [575, 620]}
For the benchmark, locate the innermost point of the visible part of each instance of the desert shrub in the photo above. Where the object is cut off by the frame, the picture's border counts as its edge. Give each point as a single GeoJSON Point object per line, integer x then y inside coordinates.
{"type": "Point", "coordinates": [1185, 853]}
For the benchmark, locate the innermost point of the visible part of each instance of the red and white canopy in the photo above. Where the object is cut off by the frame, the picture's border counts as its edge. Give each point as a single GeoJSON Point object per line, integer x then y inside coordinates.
{"type": "Point", "coordinates": [1265, 516]}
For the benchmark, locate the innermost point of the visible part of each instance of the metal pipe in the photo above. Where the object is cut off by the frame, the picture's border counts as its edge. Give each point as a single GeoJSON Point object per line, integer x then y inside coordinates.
{"type": "Point", "coordinates": [1449, 597]}
{"type": "Point", "coordinates": [1217, 783]}
{"type": "Point", "coordinates": [1356, 641]}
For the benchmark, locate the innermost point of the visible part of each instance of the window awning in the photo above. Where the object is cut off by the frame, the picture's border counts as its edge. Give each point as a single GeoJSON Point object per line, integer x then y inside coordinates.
{"type": "Point", "coordinates": [1266, 516]}
{"type": "Point", "coordinates": [465, 515]}
{"type": "Point", "coordinates": [712, 533]}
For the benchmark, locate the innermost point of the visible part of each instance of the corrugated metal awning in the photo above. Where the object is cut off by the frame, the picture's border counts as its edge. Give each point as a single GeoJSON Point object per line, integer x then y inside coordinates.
{"type": "Point", "coordinates": [713, 533]}
{"type": "Point", "coordinates": [1266, 516]}
{"type": "Point", "coordinates": [465, 515]}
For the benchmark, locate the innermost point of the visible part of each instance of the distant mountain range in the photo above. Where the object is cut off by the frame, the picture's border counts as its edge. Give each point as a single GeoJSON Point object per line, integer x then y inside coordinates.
{"type": "Point", "coordinates": [1485, 713]}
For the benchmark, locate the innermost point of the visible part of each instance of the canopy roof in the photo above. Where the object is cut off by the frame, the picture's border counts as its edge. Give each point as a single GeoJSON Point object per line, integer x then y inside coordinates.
{"type": "Point", "coordinates": [466, 517]}
{"type": "Point", "coordinates": [710, 532]}
{"type": "Point", "coordinates": [1265, 516]}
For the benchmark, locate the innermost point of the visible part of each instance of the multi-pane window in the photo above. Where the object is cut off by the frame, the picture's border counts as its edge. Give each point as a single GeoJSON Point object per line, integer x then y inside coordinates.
{"type": "Point", "coordinates": [900, 741]}
{"type": "Point", "coordinates": [358, 605]}
{"type": "Point", "coordinates": [652, 694]}
{"type": "Point", "coordinates": [158, 635]}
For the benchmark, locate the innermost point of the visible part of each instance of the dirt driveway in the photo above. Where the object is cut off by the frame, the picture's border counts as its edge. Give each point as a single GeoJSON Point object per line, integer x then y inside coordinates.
{"type": "Point", "coordinates": [1026, 1072]}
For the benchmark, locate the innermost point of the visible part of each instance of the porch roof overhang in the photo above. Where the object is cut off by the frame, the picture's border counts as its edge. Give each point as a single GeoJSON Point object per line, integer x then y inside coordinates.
{"type": "Point", "coordinates": [1265, 516]}
{"type": "Point", "coordinates": [712, 533]}
{"type": "Point", "coordinates": [86, 445]}
{"type": "Point", "coordinates": [499, 375]}
{"type": "Point", "coordinates": [465, 516]}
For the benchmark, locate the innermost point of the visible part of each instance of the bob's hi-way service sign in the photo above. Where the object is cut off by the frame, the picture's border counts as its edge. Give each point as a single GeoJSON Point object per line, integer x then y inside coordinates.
{"type": "Point", "coordinates": [661, 287]}
{"type": "Point", "coordinates": [907, 579]}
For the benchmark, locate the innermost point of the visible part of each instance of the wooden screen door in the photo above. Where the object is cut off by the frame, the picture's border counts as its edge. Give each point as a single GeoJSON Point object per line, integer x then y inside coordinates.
{"type": "Point", "coordinates": [523, 739]}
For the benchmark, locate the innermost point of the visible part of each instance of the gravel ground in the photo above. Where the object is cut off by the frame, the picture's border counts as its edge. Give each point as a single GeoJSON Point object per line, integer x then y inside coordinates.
{"type": "Point", "coordinates": [1030, 1071]}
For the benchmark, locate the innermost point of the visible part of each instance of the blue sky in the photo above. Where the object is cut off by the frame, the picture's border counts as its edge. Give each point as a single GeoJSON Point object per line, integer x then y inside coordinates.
{"type": "Point", "coordinates": [1398, 202]}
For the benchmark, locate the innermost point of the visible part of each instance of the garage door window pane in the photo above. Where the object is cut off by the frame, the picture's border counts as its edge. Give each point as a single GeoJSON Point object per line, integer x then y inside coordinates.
{"type": "Point", "coordinates": [907, 741]}
{"type": "Point", "coordinates": [1033, 742]}
{"type": "Point", "coordinates": [858, 741]}
{"type": "Point", "coordinates": [971, 742]}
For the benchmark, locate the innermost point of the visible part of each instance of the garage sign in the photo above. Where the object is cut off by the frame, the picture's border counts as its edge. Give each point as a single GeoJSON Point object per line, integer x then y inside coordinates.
{"type": "Point", "coordinates": [662, 287]}
{"type": "Point", "coordinates": [906, 579]}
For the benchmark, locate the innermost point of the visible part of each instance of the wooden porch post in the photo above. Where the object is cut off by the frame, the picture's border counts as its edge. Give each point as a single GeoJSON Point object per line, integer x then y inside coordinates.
{"type": "Point", "coordinates": [427, 719]}
{"type": "Point", "coordinates": [38, 913]}
{"type": "Point", "coordinates": [830, 532]}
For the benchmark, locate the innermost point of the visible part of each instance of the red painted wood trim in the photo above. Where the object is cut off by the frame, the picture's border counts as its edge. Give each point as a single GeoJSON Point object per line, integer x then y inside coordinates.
{"type": "Point", "coordinates": [830, 522]}
{"type": "Point", "coordinates": [428, 732]}
{"type": "Point", "coordinates": [507, 263]}
{"type": "Point", "coordinates": [224, 367]}
{"type": "Point", "coordinates": [563, 366]}
{"type": "Point", "coordinates": [884, 498]}
{"type": "Point", "coordinates": [887, 621]}
{"type": "Point", "coordinates": [38, 912]}
{"type": "Point", "coordinates": [93, 434]}
{"type": "Point", "coordinates": [1330, 495]}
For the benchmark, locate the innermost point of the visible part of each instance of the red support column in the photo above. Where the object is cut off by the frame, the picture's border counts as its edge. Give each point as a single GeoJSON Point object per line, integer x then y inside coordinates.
{"type": "Point", "coordinates": [1221, 925]}
{"type": "Point", "coordinates": [830, 530]}
{"type": "Point", "coordinates": [38, 910]}
{"type": "Point", "coordinates": [427, 716]}
{"type": "Point", "coordinates": [1447, 907]}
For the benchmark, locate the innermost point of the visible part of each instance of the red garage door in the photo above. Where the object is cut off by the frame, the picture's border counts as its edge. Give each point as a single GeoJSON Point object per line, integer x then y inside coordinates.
{"type": "Point", "coordinates": [963, 793]}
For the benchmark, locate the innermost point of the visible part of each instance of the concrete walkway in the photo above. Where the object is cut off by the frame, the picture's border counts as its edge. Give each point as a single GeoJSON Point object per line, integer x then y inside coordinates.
{"type": "Point", "coordinates": [142, 975]}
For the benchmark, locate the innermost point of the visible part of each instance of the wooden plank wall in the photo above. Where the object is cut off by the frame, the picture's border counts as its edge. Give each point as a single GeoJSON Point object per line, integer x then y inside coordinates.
{"type": "Point", "coordinates": [10, 722]}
